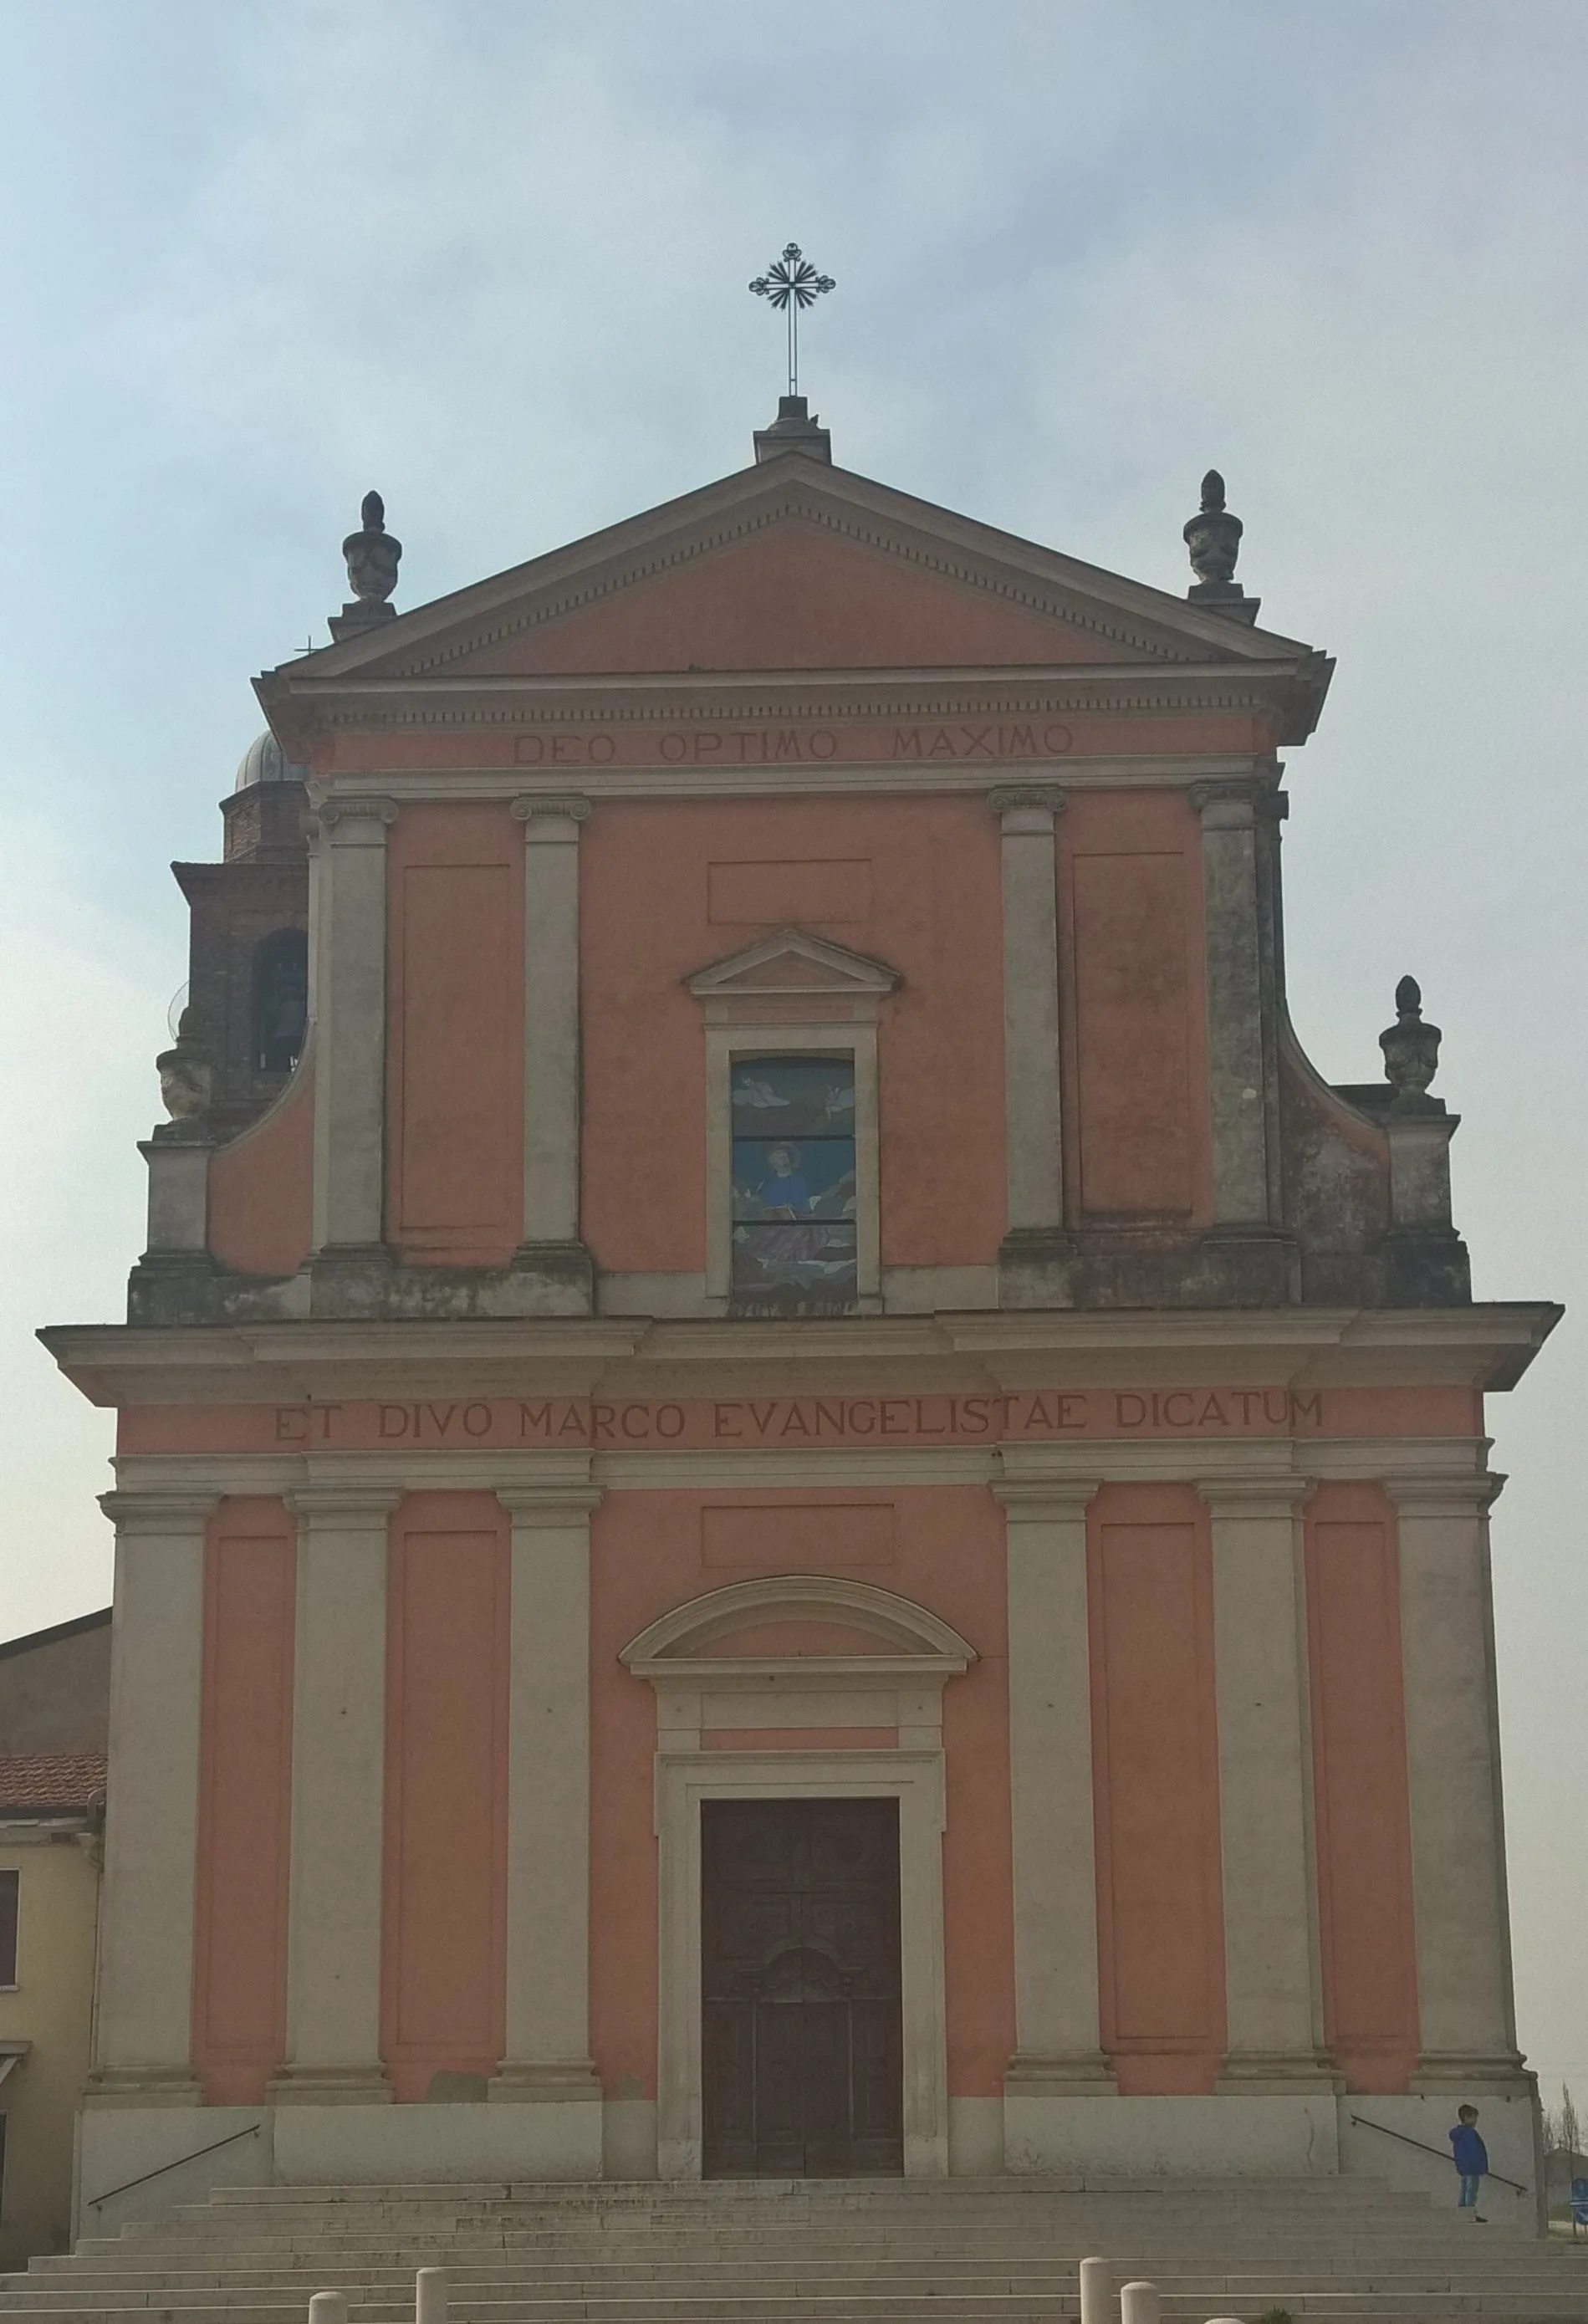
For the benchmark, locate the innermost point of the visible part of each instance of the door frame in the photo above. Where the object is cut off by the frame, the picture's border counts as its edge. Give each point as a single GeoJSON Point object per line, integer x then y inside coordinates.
{"type": "Point", "coordinates": [912, 1778]}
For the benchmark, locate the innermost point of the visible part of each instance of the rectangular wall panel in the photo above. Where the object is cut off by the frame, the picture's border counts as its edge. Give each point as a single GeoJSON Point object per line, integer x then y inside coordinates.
{"type": "Point", "coordinates": [245, 1813]}
{"type": "Point", "coordinates": [1155, 1744]}
{"type": "Point", "coordinates": [443, 2004]}
{"type": "Point", "coordinates": [457, 1167]}
{"type": "Point", "coordinates": [1365, 1898]}
{"type": "Point", "coordinates": [788, 893]}
{"type": "Point", "coordinates": [1132, 1033]}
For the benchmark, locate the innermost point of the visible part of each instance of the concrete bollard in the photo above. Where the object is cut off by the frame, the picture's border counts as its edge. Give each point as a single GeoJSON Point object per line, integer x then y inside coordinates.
{"type": "Point", "coordinates": [1139, 2304]}
{"type": "Point", "coordinates": [429, 2296]}
{"type": "Point", "coordinates": [1097, 2292]}
{"type": "Point", "coordinates": [328, 2308]}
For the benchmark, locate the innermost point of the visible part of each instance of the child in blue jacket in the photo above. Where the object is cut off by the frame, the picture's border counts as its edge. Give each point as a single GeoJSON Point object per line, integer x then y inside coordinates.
{"type": "Point", "coordinates": [1472, 2159]}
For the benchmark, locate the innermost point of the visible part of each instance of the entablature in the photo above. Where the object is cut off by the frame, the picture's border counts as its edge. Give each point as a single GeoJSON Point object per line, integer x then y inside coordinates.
{"type": "Point", "coordinates": [1482, 1347]}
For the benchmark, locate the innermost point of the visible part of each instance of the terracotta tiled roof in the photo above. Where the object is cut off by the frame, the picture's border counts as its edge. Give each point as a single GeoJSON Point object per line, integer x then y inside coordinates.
{"type": "Point", "coordinates": [52, 1779]}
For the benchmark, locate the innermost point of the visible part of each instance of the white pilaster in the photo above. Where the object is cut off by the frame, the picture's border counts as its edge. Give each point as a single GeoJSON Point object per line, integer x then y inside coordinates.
{"type": "Point", "coordinates": [339, 1799]}
{"type": "Point", "coordinates": [1265, 1798]}
{"type": "Point", "coordinates": [548, 2054]}
{"type": "Point", "coordinates": [1453, 1766]}
{"type": "Point", "coordinates": [350, 1000]}
{"type": "Point", "coordinates": [1056, 2042]}
{"type": "Point", "coordinates": [551, 1017]}
{"type": "Point", "coordinates": [144, 2031]}
{"type": "Point", "coordinates": [1034, 1161]}
{"type": "Point", "coordinates": [1235, 1069]}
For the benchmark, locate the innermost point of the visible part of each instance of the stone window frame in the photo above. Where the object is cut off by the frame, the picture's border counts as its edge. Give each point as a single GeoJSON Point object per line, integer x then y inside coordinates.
{"type": "Point", "coordinates": [792, 994]}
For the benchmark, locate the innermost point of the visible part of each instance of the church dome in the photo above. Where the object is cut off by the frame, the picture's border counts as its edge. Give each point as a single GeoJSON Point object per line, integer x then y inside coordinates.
{"type": "Point", "coordinates": [265, 761]}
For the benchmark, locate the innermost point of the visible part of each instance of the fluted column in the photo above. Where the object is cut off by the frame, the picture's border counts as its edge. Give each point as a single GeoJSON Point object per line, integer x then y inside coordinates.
{"type": "Point", "coordinates": [339, 1799]}
{"type": "Point", "coordinates": [1027, 813]}
{"type": "Point", "coordinates": [1453, 1766]}
{"type": "Point", "coordinates": [551, 1245]}
{"type": "Point", "coordinates": [349, 952]}
{"type": "Point", "coordinates": [144, 2030]}
{"type": "Point", "coordinates": [1271, 1978]}
{"type": "Point", "coordinates": [548, 2054]}
{"type": "Point", "coordinates": [1056, 2051]}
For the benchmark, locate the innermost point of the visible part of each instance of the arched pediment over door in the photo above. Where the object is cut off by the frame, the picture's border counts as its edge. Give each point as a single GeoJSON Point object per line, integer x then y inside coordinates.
{"type": "Point", "coordinates": [794, 1653]}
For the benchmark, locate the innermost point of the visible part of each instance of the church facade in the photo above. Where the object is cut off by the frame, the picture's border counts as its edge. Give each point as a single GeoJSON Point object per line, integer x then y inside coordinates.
{"type": "Point", "coordinates": [790, 1497]}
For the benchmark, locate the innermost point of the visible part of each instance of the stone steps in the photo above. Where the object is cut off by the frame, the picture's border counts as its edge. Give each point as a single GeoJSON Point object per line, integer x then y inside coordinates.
{"type": "Point", "coordinates": [1247, 2298]}
{"type": "Point", "coordinates": [807, 2253]}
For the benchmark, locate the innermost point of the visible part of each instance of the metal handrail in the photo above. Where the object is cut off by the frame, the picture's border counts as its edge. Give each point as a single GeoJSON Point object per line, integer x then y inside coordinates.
{"type": "Point", "coordinates": [128, 2185]}
{"type": "Point", "coordinates": [1423, 2146]}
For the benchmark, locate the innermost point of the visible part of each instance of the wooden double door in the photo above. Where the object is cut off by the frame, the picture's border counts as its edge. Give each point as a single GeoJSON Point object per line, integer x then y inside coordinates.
{"type": "Point", "coordinates": [802, 2064]}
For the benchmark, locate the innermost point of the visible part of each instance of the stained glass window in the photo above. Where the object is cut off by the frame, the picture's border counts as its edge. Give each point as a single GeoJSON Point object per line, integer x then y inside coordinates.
{"type": "Point", "coordinates": [793, 1212]}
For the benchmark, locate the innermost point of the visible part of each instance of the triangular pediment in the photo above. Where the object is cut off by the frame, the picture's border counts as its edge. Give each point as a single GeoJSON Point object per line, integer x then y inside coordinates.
{"type": "Point", "coordinates": [792, 962]}
{"type": "Point", "coordinates": [791, 565]}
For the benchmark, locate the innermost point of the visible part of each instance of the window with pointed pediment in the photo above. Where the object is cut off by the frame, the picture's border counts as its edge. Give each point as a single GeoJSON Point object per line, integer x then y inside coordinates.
{"type": "Point", "coordinates": [793, 1218]}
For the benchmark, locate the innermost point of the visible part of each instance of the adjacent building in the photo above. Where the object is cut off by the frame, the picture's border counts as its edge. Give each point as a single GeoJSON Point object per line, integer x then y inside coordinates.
{"type": "Point", "coordinates": [54, 1691]}
{"type": "Point", "coordinates": [791, 1496]}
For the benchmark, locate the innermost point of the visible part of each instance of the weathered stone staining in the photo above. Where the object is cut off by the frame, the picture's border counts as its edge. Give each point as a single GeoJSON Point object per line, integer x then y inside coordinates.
{"type": "Point", "coordinates": [792, 1277]}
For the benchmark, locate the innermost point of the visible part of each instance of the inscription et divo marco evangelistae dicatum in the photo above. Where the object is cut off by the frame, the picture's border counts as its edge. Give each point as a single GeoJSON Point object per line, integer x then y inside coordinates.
{"type": "Point", "coordinates": [817, 1420]}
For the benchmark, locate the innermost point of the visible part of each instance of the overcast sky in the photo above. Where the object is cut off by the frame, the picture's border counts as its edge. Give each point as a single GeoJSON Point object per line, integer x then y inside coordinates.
{"type": "Point", "coordinates": [491, 257]}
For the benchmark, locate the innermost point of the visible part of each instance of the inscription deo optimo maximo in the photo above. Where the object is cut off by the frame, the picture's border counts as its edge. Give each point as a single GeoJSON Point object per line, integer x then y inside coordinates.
{"type": "Point", "coordinates": [769, 746]}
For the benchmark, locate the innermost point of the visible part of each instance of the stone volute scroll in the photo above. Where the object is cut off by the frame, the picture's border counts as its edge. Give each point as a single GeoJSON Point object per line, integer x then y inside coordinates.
{"type": "Point", "coordinates": [373, 556]}
{"type": "Point", "coordinates": [1212, 538]}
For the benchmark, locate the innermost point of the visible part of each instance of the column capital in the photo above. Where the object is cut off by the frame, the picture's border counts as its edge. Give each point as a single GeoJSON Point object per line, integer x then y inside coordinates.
{"type": "Point", "coordinates": [1029, 1500]}
{"type": "Point", "coordinates": [1043, 802]}
{"type": "Point", "coordinates": [361, 822]}
{"type": "Point", "coordinates": [1228, 804]}
{"type": "Point", "coordinates": [548, 1505]}
{"type": "Point", "coordinates": [532, 807]}
{"type": "Point", "coordinates": [1257, 1498]}
{"type": "Point", "coordinates": [352, 1509]}
{"type": "Point", "coordinates": [1425, 1496]}
{"type": "Point", "coordinates": [163, 1508]}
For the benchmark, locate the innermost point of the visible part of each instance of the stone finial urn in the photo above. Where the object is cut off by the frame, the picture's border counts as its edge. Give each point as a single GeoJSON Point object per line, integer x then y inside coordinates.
{"type": "Point", "coordinates": [1212, 536]}
{"type": "Point", "coordinates": [1411, 1050]}
{"type": "Point", "coordinates": [373, 556]}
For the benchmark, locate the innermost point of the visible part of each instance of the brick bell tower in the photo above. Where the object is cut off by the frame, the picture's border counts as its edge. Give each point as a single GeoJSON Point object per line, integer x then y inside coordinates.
{"type": "Point", "coordinates": [748, 1276]}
